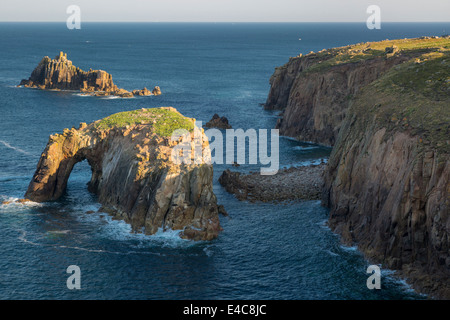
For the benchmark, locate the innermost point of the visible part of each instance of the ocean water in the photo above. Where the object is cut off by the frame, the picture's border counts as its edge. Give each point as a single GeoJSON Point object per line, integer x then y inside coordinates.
{"type": "Point", "coordinates": [266, 251]}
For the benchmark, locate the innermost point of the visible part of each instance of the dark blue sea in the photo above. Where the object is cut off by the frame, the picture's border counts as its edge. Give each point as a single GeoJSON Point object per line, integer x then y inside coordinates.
{"type": "Point", "coordinates": [266, 251]}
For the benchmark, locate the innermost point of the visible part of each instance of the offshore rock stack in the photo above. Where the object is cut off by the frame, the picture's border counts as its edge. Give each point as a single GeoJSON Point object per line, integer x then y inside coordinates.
{"type": "Point", "coordinates": [60, 74]}
{"type": "Point", "coordinates": [133, 174]}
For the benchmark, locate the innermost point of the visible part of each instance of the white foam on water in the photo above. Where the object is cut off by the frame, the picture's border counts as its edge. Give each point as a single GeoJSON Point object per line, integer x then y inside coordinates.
{"type": "Point", "coordinates": [6, 144]}
{"type": "Point", "coordinates": [289, 138]}
{"type": "Point", "coordinates": [59, 232]}
{"type": "Point", "coordinates": [305, 148]}
{"type": "Point", "coordinates": [393, 277]}
{"type": "Point", "coordinates": [119, 230]}
{"type": "Point", "coordinates": [349, 248]}
{"type": "Point", "coordinates": [207, 250]}
{"type": "Point", "coordinates": [83, 208]}
{"type": "Point", "coordinates": [23, 238]}
{"type": "Point", "coordinates": [324, 225]}
{"type": "Point", "coordinates": [7, 202]}
{"type": "Point", "coordinates": [334, 254]}
{"type": "Point", "coordinates": [111, 97]}
{"type": "Point", "coordinates": [306, 163]}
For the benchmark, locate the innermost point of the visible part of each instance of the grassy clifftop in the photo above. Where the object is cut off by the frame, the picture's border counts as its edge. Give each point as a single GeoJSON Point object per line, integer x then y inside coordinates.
{"type": "Point", "coordinates": [370, 50]}
{"type": "Point", "coordinates": [163, 120]}
{"type": "Point", "coordinates": [413, 96]}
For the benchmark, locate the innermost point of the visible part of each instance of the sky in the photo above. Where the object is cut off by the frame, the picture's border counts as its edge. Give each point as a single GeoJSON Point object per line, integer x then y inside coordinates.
{"type": "Point", "coordinates": [226, 10]}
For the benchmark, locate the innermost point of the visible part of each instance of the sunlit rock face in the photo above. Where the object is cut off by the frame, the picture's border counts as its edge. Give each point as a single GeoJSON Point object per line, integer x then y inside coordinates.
{"type": "Point", "coordinates": [60, 74]}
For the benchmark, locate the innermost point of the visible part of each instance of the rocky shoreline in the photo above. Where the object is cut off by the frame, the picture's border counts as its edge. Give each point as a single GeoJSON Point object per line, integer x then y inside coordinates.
{"type": "Point", "coordinates": [296, 183]}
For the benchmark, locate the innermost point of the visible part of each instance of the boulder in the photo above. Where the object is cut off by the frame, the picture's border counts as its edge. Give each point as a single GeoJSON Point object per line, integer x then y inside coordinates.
{"type": "Point", "coordinates": [218, 122]}
{"type": "Point", "coordinates": [156, 91]}
{"type": "Point", "coordinates": [143, 92]}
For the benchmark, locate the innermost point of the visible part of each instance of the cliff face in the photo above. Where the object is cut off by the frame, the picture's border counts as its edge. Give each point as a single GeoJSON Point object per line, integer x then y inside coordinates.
{"type": "Point", "coordinates": [387, 179]}
{"type": "Point", "coordinates": [314, 90]}
{"type": "Point", "coordinates": [132, 172]}
{"type": "Point", "coordinates": [60, 74]}
{"type": "Point", "coordinates": [393, 202]}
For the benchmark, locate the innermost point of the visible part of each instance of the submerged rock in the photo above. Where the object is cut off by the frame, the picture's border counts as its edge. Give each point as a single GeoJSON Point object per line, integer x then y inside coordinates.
{"type": "Point", "coordinates": [218, 122]}
{"type": "Point", "coordinates": [60, 74]}
{"type": "Point", "coordinates": [133, 173]}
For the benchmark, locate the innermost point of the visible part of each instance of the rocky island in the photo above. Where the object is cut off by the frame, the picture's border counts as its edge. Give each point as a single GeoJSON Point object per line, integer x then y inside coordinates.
{"type": "Point", "coordinates": [60, 74]}
{"type": "Point", "coordinates": [384, 107]}
{"type": "Point", "coordinates": [132, 173]}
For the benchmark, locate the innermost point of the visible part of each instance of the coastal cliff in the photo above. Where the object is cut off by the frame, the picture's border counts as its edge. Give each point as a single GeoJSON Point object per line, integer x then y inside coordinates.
{"type": "Point", "coordinates": [387, 180]}
{"type": "Point", "coordinates": [313, 91]}
{"type": "Point", "coordinates": [60, 74]}
{"type": "Point", "coordinates": [133, 173]}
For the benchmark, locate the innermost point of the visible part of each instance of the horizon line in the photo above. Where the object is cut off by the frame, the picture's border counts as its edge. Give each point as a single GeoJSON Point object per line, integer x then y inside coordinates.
{"type": "Point", "coordinates": [89, 21]}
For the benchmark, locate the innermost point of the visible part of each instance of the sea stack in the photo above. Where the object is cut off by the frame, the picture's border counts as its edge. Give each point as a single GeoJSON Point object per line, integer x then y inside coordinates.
{"type": "Point", "coordinates": [60, 74]}
{"type": "Point", "coordinates": [133, 173]}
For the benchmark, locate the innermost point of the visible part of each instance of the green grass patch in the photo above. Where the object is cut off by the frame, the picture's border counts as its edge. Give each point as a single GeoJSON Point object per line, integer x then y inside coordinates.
{"type": "Point", "coordinates": [370, 50]}
{"type": "Point", "coordinates": [428, 75]}
{"type": "Point", "coordinates": [163, 121]}
{"type": "Point", "coordinates": [412, 97]}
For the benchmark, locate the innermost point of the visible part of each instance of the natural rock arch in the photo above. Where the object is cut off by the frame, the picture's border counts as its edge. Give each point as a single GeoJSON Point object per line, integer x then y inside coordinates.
{"type": "Point", "coordinates": [132, 174]}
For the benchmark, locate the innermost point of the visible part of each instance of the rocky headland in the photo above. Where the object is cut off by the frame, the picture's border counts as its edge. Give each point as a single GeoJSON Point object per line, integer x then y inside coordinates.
{"type": "Point", "coordinates": [384, 107]}
{"type": "Point", "coordinates": [133, 173]}
{"type": "Point", "coordinates": [60, 74]}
